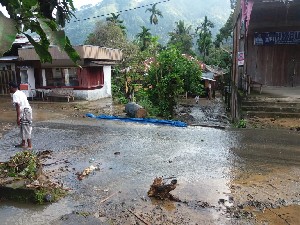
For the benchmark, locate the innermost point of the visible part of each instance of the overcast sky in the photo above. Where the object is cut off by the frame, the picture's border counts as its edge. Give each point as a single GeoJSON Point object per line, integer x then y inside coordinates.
{"type": "Point", "coordinates": [77, 4]}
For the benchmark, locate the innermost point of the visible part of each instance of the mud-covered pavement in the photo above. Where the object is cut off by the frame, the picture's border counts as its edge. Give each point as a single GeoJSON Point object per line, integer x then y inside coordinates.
{"type": "Point", "coordinates": [231, 176]}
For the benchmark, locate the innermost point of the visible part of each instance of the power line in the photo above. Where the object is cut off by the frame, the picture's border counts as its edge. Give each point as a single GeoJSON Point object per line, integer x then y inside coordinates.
{"type": "Point", "coordinates": [118, 12]}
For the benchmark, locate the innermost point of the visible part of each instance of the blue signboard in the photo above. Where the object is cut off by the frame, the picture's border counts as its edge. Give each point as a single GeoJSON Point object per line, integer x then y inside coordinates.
{"type": "Point", "coordinates": [277, 38]}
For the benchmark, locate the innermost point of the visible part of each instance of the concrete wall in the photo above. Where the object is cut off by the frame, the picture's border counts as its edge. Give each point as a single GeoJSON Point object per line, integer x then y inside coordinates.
{"type": "Point", "coordinates": [107, 80]}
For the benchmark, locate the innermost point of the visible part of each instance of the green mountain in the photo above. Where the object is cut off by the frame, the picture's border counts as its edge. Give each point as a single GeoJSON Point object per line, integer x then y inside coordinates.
{"type": "Point", "coordinates": [133, 14]}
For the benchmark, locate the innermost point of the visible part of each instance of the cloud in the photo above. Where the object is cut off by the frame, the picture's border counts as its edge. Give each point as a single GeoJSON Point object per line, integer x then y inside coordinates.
{"type": "Point", "coordinates": [79, 3]}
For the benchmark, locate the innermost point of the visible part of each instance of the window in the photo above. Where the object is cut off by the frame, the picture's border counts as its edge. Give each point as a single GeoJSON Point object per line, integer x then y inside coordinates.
{"type": "Point", "coordinates": [61, 77]}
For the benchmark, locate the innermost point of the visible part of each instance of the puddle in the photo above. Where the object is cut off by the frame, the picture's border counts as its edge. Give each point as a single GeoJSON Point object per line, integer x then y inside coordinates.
{"type": "Point", "coordinates": [209, 165]}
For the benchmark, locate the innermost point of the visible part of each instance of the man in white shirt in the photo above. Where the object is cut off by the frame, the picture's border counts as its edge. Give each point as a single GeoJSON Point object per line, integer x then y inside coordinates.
{"type": "Point", "coordinates": [24, 114]}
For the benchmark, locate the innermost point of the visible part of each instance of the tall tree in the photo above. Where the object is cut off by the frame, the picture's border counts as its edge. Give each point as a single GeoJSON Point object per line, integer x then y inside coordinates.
{"type": "Point", "coordinates": [181, 38]}
{"type": "Point", "coordinates": [144, 38]}
{"type": "Point", "coordinates": [171, 74]}
{"type": "Point", "coordinates": [45, 18]}
{"type": "Point", "coordinates": [204, 40]}
{"type": "Point", "coordinates": [154, 13]}
{"type": "Point", "coordinates": [225, 32]}
{"type": "Point", "coordinates": [114, 18]}
{"type": "Point", "coordinates": [109, 35]}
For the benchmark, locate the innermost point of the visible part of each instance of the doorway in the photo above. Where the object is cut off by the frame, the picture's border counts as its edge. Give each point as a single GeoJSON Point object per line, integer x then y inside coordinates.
{"type": "Point", "coordinates": [293, 73]}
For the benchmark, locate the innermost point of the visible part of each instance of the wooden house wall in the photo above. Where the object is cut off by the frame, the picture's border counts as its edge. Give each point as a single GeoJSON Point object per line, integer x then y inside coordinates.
{"type": "Point", "coordinates": [91, 77]}
{"type": "Point", "coordinates": [273, 65]}
{"type": "Point", "coordinates": [5, 77]}
{"type": "Point", "coordinates": [236, 70]}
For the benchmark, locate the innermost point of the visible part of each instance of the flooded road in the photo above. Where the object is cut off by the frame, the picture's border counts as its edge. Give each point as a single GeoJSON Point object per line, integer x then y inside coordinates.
{"type": "Point", "coordinates": [230, 176]}
{"type": "Point", "coordinates": [220, 174]}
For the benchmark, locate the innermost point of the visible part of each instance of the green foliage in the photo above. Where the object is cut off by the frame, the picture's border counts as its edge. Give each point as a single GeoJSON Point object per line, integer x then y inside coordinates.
{"type": "Point", "coordinates": [39, 196]}
{"type": "Point", "coordinates": [181, 38]}
{"type": "Point", "coordinates": [220, 58]}
{"type": "Point", "coordinates": [118, 88]}
{"type": "Point", "coordinates": [23, 164]}
{"type": "Point", "coordinates": [144, 38]}
{"type": "Point", "coordinates": [137, 66]}
{"type": "Point", "coordinates": [114, 19]}
{"type": "Point", "coordinates": [8, 33]}
{"type": "Point", "coordinates": [45, 18]}
{"type": "Point", "coordinates": [225, 32]}
{"type": "Point", "coordinates": [165, 80]}
{"type": "Point", "coordinates": [54, 194]}
{"type": "Point", "coordinates": [192, 77]}
{"type": "Point", "coordinates": [241, 123]}
{"type": "Point", "coordinates": [111, 36]}
{"type": "Point", "coordinates": [204, 37]}
{"type": "Point", "coordinates": [142, 99]}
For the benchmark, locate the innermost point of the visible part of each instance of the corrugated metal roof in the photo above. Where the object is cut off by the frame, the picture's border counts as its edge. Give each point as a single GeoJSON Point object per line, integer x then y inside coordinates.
{"type": "Point", "coordinates": [208, 76]}
{"type": "Point", "coordinates": [8, 58]}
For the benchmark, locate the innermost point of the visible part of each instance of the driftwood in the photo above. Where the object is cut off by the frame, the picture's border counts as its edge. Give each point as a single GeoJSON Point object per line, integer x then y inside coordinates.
{"type": "Point", "coordinates": [211, 126]}
{"type": "Point", "coordinates": [140, 218]}
{"type": "Point", "coordinates": [104, 200]}
{"type": "Point", "coordinates": [135, 111]}
{"type": "Point", "coordinates": [161, 190]}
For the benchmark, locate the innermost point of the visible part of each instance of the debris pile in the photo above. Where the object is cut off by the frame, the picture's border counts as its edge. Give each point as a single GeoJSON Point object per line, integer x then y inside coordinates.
{"type": "Point", "coordinates": [22, 179]}
{"type": "Point", "coordinates": [160, 190]}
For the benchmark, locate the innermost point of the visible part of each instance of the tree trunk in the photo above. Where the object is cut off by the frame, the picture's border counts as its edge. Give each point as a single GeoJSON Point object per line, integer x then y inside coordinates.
{"type": "Point", "coordinates": [135, 111]}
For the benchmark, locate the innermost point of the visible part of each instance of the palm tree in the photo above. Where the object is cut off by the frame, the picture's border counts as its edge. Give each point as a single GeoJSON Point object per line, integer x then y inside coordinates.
{"type": "Point", "coordinates": [114, 19]}
{"type": "Point", "coordinates": [205, 37]}
{"type": "Point", "coordinates": [181, 28]}
{"type": "Point", "coordinates": [144, 38]}
{"type": "Point", "coordinates": [181, 38]}
{"type": "Point", "coordinates": [154, 13]}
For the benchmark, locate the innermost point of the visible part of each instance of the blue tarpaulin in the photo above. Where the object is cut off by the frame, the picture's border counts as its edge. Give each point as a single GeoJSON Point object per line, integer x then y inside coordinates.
{"type": "Point", "coordinates": [139, 120]}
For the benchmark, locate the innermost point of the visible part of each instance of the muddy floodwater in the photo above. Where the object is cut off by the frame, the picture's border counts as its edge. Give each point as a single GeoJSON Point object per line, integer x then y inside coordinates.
{"type": "Point", "coordinates": [230, 176]}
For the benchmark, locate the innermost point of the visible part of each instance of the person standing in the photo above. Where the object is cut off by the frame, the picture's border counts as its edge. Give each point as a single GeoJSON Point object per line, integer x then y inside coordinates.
{"type": "Point", "coordinates": [24, 114]}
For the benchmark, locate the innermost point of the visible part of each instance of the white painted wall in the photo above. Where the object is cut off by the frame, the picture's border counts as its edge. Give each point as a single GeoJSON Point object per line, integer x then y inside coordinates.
{"type": "Point", "coordinates": [31, 79]}
{"type": "Point", "coordinates": [107, 80]}
{"type": "Point", "coordinates": [44, 77]}
{"type": "Point", "coordinates": [31, 83]}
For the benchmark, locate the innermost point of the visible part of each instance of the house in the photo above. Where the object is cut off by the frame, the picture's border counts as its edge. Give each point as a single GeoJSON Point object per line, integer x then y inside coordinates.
{"type": "Point", "coordinates": [266, 46]}
{"type": "Point", "coordinates": [90, 81]}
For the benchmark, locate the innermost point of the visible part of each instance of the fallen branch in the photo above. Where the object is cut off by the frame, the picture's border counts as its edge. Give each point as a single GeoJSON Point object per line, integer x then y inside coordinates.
{"type": "Point", "coordinates": [211, 126]}
{"type": "Point", "coordinates": [104, 200]}
{"type": "Point", "coordinates": [140, 218]}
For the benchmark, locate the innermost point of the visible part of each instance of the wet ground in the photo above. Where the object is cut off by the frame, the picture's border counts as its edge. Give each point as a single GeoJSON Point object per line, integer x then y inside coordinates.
{"type": "Point", "coordinates": [225, 176]}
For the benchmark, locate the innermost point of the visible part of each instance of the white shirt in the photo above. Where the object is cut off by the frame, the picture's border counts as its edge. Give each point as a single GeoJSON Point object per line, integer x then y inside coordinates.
{"type": "Point", "coordinates": [20, 98]}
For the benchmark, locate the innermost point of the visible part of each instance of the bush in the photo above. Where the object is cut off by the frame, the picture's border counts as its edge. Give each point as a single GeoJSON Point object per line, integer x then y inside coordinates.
{"type": "Point", "coordinates": [242, 123]}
